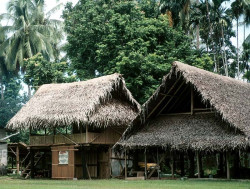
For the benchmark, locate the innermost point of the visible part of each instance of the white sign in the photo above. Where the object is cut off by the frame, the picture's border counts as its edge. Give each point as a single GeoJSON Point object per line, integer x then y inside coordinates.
{"type": "Point", "coordinates": [3, 157]}
{"type": "Point", "coordinates": [63, 157]}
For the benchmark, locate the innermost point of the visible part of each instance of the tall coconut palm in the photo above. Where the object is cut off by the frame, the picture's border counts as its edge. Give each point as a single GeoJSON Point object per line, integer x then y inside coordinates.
{"type": "Point", "coordinates": [237, 11]}
{"type": "Point", "coordinates": [31, 31]}
{"type": "Point", "coordinates": [179, 11]}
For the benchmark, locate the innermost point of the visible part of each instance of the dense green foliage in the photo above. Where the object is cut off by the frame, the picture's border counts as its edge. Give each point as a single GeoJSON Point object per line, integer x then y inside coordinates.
{"type": "Point", "coordinates": [12, 100]}
{"type": "Point", "coordinates": [113, 36]}
{"type": "Point", "coordinates": [246, 58]}
{"type": "Point", "coordinates": [39, 71]}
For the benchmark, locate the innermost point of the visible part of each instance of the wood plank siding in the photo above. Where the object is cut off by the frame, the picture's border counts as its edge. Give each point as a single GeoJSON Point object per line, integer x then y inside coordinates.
{"type": "Point", "coordinates": [109, 136]}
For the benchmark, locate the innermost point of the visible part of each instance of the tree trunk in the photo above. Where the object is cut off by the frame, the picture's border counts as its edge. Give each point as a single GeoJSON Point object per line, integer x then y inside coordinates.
{"type": "Point", "coordinates": [238, 63]}
{"type": "Point", "coordinates": [29, 91]}
{"type": "Point", "coordinates": [197, 32]}
{"type": "Point", "coordinates": [225, 54]}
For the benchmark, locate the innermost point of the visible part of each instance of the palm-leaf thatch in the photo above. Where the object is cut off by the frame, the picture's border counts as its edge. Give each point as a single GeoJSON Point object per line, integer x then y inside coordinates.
{"type": "Point", "coordinates": [229, 98]}
{"type": "Point", "coordinates": [98, 102]}
{"type": "Point", "coordinates": [187, 132]}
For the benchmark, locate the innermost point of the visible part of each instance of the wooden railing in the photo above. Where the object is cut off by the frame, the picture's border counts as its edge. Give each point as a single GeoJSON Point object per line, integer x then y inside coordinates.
{"type": "Point", "coordinates": [106, 137]}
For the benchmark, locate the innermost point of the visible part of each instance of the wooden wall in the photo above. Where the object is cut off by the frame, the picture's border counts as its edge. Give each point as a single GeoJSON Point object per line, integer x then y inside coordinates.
{"type": "Point", "coordinates": [63, 171]}
{"type": "Point", "coordinates": [109, 136]}
{"type": "Point", "coordinates": [98, 163]}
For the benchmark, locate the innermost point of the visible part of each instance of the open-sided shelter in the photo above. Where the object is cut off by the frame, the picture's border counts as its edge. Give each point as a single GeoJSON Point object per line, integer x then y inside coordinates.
{"type": "Point", "coordinates": [77, 123]}
{"type": "Point", "coordinates": [193, 111]}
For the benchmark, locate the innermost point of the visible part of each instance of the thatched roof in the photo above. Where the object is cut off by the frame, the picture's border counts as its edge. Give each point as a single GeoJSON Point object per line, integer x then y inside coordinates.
{"type": "Point", "coordinates": [227, 97]}
{"type": "Point", "coordinates": [101, 101]}
{"type": "Point", "coordinates": [187, 132]}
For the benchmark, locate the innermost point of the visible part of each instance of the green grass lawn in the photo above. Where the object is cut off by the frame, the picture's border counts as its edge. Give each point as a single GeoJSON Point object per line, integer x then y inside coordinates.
{"type": "Point", "coordinates": [10, 183]}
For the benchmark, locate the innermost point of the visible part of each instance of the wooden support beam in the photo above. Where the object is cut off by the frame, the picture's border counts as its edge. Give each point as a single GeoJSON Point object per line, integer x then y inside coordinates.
{"type": "Point", "coordinates": [172, 163]}
{"type": "Point", "coordinates": [158, 164]}
{"type": "Point", "coordinates": [30, 132]}
{"type": "Point", "coordinates": [236, 163]}
{"type": "Point", "coordinates": [84, 163]}
{"type": "Point", "coordinates": [221, 164]}
{"type": "Point", "coordinates": [191, 164]}
{"type": "Point", "coordinates": [198, 159]}
{"type": "Point", "coordinates": [87, 168]}
{"type": "Point", "coordinates": [163, 98]}
{"type": "Point", "coordinates": [17, 160]}
{"type": "Point", "coordinates": [87, 133]}
{"type": "Point", "coordinates": [54, 133]}
{"type": "Point", "coordinates": [168, 95]}
{"type": "Point", "coordinates": [228, 165]}
{"type": "Point", "coordinates": [125, 164]}
{"type": "Point", "coordinates": [12, 162]}
{"type": "Point", "coordinates": [179, 99]}
{"type": "Point", "coordinates": [156, 167]}
{"type": "Point", "coordinates": [192, 100]}
{"type": "Point", "coordinates": [12, 151]}
{"type": "Point", "coordinates": [171, 98]}
{"type": "Point", "coordinates": [32, 167]}
{"type": "Point", "coordinates": [145, 156]}
{"type": "Point", "coordinates": [182, 164]}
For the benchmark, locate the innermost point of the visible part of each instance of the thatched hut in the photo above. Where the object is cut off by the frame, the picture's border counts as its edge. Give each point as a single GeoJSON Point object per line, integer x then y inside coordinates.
{"type": "Point", "coordinates": [79, 123]}
{"type": "Point", "coordinates": [193, 111]}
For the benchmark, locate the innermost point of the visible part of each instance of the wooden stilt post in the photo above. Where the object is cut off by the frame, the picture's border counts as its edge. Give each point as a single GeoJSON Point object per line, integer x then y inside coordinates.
{"type": "Point", "coordinates": [158, 164]}
{"type": "Point", "coordinates": [54, 133]}
{"type": "Point", "coordinates": [17, 160]}
{"type": "Point", "coordinates": [125, 164]}
{"type": "Point", "coordinates": [145, 155]}
{"type": "Point", "coordinates": [182, 164]}
{"type": "Point", "coordinates": [172, 163]}
{"type": "Point", "coordinates": [228, 165]}
{"type": "Point", "coordinates": [198, 164]}
{"type": "Point", "coordinates": [87, 136]}
{"type": "Point", "coordinates": [236, 164]}
{"type": "Point", "coordinates": [32, 163]}
{"type": "Point", "coordinates": [192, 100]}
{"type": "Point", "coordinates": [191, 164]}
{"type": "Point", "coordinates": [221, 164]}
{"type": "Point", "coordinates": [12, 162]}
{"type": "Point", "coordinates": [84, 168]}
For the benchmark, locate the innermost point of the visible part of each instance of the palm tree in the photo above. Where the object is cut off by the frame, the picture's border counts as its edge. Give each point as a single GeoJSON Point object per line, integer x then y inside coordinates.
{"type": "Point", "coordinates": [179, 11]}
{"type": "Point", "coordinates": [32, 31]}
{"type": "Point", "coordinates": [237, 11]}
